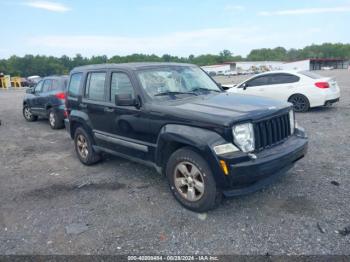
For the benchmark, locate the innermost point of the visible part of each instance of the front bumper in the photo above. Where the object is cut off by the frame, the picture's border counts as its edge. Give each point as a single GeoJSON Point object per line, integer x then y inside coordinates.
{"type": "Point", "coordinates": [249, 176]}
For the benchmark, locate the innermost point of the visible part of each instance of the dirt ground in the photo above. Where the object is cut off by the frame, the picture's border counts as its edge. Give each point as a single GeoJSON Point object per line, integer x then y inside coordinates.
{"type": "Point", "coordinates": [51, 204]}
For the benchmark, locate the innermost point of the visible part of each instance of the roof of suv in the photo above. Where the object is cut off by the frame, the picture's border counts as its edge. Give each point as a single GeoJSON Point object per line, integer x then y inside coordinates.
{"type": "Point", "coordinates": [55, 77]}
{"type": "Point", "coordinates": [132, 66]}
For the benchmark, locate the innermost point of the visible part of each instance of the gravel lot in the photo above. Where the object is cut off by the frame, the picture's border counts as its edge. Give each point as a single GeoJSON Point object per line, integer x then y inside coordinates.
{"type": "Point", "coordinates": [52, 204]}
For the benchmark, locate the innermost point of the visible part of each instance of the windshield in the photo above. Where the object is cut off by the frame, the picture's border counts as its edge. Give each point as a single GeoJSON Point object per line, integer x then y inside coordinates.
{"type": "Point", "coordinates": [176, 81]}
{"type": "Point", "coordinates": [311, 74]}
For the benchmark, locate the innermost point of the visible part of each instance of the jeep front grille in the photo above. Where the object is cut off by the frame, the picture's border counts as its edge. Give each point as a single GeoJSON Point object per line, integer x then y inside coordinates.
{"type": "Point", "coordinates": [271, 131]}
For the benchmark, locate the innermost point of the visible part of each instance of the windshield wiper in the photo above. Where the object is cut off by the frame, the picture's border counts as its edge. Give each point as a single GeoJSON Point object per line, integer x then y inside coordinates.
{"type": "Point", "coordinates": [204, 89]}
{"type": "Point", "coordinates": [169, 93]}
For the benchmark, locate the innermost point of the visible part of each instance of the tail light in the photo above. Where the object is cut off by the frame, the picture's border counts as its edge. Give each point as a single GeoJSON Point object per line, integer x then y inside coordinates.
{"type": "Point", "coordinates": [322, 84]}
{"type": "Point", "coordinates": [61, 95]}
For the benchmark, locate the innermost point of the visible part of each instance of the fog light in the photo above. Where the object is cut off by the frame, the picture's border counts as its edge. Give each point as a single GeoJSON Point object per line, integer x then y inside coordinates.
{"type": "Point", "coordinates": [225, 149]}
{"type": "Point", "coordinates": [224, 167]}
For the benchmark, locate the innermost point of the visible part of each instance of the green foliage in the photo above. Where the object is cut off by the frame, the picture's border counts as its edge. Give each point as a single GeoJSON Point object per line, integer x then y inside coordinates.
{"type": "Point", "coordinates": [49, 65]}
{"type": "Point", "coordinates": [326, 50]}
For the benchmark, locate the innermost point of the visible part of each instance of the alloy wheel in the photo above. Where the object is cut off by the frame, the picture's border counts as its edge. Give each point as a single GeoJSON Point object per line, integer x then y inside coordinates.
{"type": "Point", "coordinates": [27, 113]}
{"type": "Point", "coordinates": [52, 119]}
{"type": "Point", "coordinates": [82, 146]}
{"type": "Point", "coordinates": [299, 103]}
{"type": "Point", "coordinates": [189, 181]}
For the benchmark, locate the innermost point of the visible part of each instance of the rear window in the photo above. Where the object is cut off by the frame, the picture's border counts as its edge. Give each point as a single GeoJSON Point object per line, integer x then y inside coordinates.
{"type": "Point", "coordinates": [74, 84]}
{"type": "Point", "coordinates": [311, 74]}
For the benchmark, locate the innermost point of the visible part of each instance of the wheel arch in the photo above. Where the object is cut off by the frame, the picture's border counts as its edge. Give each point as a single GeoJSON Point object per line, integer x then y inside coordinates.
{"type": "Point", "coordinates": [173, 137]}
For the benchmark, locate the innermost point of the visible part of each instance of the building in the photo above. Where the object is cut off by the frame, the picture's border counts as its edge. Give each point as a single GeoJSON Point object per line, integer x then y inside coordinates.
{"type": "Point", "coordinates": [260, 66]}
{"type": "Point", "coordinates": [317, 64]}
{"type": "Point", "coordinates": [244, 66]}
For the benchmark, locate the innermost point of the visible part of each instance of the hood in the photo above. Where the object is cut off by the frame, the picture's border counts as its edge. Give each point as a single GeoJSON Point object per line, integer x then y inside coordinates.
{"type": "Point", "coordinates": [226, 108]}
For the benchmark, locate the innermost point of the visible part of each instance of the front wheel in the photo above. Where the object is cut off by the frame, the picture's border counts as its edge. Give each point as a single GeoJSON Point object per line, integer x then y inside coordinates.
{"type": "Point", "coordinates": [28, 115]}
{"type": "Point", "coordinates": [300, 103]}
{"type": "Point", "coordinates": [191, 181]}
{"type": "Point", "coordinates": [83, 147]}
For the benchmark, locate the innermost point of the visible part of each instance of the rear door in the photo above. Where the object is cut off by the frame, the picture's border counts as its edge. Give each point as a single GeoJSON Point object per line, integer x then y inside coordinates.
{"type": "Point", "coordinates": [281, 86]}
{"type": "Point", "coordinates": [94, 99]}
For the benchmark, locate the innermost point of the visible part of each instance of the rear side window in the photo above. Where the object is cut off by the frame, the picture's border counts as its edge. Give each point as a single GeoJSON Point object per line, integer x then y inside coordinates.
{"type": "Point", "coordinates": [95, 86]}
{"type": "Point", "coordinates": [283, 79]}
{"type": "Point", "coordinates": [259, 81]}
{"type": "Point", "coordinates": [74, 84]}
{"type": "Point", "coordinates": [121, 84]}
{"type": "Point", "coordinates": [47, 85]}
{"type": "Point", "coordinates": [55, 85]}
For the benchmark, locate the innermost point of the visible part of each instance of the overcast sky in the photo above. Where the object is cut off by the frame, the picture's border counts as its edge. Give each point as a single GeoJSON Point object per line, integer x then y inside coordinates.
{"type": "Point", "coordinates": [177, 27]}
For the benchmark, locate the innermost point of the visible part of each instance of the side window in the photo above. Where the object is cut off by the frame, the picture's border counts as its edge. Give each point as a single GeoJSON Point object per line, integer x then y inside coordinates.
{"type": "Point", "coordinates": [283, 79]}
{"type": "Point", "coordinates": [74, 84]}
{"type": "Point", "coordinates": [121, 84]}
{"type": "Point", "coordinates": [55, 85]}
{"type": "Point", "coordinates": [47, 85]}
{"type": "Point", "coordinates": [259, 81]}
{"type": "Point", "coordinates": [38, 87]}
{"type": "Point", "coordinates": [95, 86]}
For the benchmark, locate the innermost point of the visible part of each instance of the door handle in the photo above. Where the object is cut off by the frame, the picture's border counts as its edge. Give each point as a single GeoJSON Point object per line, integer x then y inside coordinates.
{"type": "Point", "coordinates": [83, 105]}
{"type": "Point", "coordinates": [108, 109]}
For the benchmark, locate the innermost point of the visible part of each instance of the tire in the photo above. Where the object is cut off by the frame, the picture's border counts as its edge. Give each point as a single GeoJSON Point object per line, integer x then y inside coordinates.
{"type": "Point", "coordinates": [300, 103]}
{"type": "Point", "coordinates": [202, 180]}
{"type": "Point", "coordinates": [83, 147]}
{"type": "Point", "coordinates": [27, 114]}
{"type": "Point", "coordinates": [55, 121]}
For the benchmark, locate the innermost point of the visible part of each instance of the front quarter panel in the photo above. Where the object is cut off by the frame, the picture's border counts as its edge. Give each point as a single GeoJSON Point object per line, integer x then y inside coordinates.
{"type": "Point", "coordinates": [202, 140]}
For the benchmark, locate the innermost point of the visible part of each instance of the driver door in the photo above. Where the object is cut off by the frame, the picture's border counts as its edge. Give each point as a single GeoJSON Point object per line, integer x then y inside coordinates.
{"type": "Point", "coordinates": [256, 86]}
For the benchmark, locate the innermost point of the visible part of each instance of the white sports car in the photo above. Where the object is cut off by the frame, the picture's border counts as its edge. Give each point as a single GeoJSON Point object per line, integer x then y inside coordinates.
{"type": "Point", "coordinates": [304, 89]}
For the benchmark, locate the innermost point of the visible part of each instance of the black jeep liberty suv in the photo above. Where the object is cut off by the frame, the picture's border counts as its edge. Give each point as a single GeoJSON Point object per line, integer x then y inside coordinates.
{"type": "Point", "coordinates": [174, 117]}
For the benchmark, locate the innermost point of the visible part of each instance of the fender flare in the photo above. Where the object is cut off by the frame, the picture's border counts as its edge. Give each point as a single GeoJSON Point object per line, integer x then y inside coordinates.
{"type": "Point", "coordinates": [202, 140]}
{"type": "Point", "coordinates": [82, 119]}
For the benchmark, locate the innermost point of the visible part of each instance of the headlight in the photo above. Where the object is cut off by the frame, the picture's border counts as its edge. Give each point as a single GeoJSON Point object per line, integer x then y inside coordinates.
{"type": "Point", "coordinates": [291, 121]}
{"type": "Point", "coordinates": [243, 136]}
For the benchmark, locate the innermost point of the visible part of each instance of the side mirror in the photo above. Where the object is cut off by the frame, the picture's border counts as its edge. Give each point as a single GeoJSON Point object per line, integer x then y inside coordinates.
{"type": "Point", "coordinates": [219, 85]}
{"type": "Point", "coordinates": [244, 86]}
{"type": "Point", "coordinates": [125, 100]}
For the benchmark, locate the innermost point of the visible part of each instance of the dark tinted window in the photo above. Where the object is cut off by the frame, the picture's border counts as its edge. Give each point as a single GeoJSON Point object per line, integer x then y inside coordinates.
{"type": "Point", "coordinates": [259, 81]}
{"type": "Point", "coordinates": [95, 86]}
{"type": "Point", "coordinates": [121, 84]}
{"type": "Point", "coordinates": [74, 84]}
{"type": "Point", "coordinates": [283, 79]}
{"type": "Point", "coordinates": [47, 85]}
